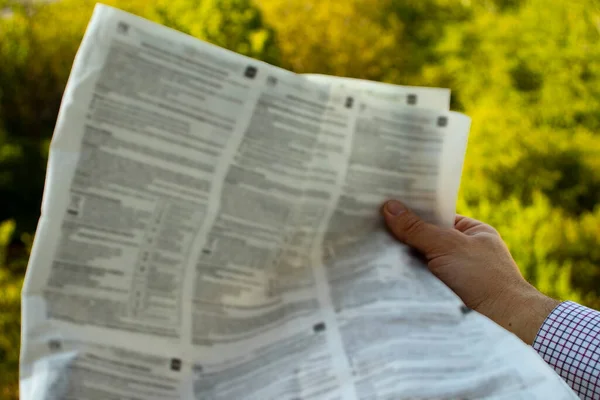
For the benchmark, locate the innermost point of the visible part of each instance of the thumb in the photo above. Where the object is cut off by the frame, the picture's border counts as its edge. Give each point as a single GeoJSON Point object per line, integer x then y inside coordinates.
{"type": "Point", "coordinates": [407, 227]}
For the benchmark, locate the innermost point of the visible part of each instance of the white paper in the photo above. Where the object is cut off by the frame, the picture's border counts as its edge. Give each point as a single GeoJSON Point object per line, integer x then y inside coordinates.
{"type": "Point", "coordinates": [210, 230]}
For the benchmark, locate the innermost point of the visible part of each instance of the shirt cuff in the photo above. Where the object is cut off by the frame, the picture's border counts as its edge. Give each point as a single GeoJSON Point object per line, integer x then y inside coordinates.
{"type": "Point", "coordinates": [569, 340]}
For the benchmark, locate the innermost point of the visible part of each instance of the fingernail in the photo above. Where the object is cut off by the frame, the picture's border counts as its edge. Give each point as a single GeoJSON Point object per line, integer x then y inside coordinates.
{"type": "Point", "coordinates": [394, 208]}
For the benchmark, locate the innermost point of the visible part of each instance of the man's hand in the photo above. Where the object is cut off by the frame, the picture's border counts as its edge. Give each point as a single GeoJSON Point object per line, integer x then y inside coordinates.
{"type": "Point", "coordinates": [475, 263]}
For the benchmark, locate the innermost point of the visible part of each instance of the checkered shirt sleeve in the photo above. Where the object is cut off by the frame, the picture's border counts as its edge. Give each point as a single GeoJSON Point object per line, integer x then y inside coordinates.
{"type": "Point", "coordinates": [569, 340]}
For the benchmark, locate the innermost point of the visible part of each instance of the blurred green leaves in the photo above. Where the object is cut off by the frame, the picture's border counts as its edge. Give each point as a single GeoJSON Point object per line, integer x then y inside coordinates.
{"type": "Point", "coordinates": [11, 279]}
{"type": "Point", "coordinates": [527, 72]}
{"type": "Point", "coordinates": [234, 24]}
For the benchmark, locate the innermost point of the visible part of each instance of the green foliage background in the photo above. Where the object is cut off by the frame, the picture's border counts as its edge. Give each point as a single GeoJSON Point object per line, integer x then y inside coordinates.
{"type": "Point", "coordinates": [526, 71]}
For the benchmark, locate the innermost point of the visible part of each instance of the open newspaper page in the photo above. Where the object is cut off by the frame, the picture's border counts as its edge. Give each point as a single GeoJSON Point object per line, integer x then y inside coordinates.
{"type": "Point", "coordinates": [209, 230]}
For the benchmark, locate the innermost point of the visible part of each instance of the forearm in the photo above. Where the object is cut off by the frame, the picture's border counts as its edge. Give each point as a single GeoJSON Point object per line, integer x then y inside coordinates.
{"type": "Point", "coordinates": [535, 311]}
{"type": "Point", "coordinates": [524, 312]}
{"type": "Point", "coordinates": [520, 309]}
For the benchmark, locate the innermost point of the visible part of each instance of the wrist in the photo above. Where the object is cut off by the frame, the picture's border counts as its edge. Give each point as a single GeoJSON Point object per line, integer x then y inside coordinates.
{"type": "Point", "coordinates": [522, 310]}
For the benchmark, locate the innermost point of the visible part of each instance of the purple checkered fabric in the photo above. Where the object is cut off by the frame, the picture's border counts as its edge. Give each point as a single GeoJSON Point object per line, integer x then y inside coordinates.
{"type": "Point", "coordinates": [569, 340]}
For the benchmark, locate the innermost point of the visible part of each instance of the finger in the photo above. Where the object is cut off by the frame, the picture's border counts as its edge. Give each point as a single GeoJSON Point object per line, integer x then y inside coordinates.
{"type": "Point", "coordinates": [407, 227]}
{"type": "Point", "coordinates": [463, 223]}
{"type": "Point", "coordinates": [470, 225]}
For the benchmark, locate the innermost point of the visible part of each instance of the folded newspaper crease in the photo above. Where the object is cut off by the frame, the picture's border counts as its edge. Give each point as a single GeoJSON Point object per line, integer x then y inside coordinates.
{"type": "Point", "coordinates": [210, 230]}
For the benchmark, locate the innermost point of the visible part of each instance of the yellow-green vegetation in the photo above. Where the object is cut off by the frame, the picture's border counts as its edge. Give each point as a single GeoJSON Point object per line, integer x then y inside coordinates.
{"type": "Point", "coordinates": [526, 71]}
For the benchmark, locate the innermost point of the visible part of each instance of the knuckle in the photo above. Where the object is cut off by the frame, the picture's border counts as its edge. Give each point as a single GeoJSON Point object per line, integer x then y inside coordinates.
{"type": "Point", "coordinates": [491, 230]}
{"type": "Point", "coordinates": [486, 238]}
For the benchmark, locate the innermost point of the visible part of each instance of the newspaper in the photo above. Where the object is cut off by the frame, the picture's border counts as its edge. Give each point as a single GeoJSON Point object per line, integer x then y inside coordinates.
{"type": "Point", "coordinates": [210, 230]}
